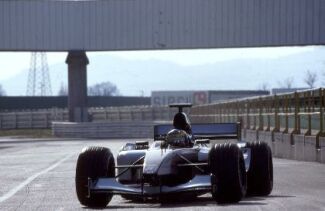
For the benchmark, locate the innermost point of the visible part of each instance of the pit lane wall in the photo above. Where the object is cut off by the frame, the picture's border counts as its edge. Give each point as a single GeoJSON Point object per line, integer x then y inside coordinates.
{"type": "Point", "coordinates": [112, 130]}
{"type": "Point", "coordinates": [292, 124]}
{"type": "Point", "coordinates": [31, 119]}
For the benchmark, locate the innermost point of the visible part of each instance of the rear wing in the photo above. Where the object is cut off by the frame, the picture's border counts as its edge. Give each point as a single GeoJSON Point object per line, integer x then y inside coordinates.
{"type": "Point", "coordinates": [204, 131]}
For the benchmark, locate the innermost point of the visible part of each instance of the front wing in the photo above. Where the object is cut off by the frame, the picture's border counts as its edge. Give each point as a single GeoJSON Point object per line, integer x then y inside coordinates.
{"type": "Point", "coordinates": [110, 185]}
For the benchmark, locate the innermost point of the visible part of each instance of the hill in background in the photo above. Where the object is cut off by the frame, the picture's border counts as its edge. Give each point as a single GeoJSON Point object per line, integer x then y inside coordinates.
{"type": "Point", "coordinates": [137, 77]}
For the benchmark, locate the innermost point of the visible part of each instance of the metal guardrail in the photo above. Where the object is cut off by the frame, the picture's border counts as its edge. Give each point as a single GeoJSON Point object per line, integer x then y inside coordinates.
{"type": "Point", "coordinates": [295, 113]}
{"type": "Point", "coordinates": [44, 118]}
{"type": "Point", "coordinates": [31, 119]}
{"type": "Point", "coordinates": [131, 113]}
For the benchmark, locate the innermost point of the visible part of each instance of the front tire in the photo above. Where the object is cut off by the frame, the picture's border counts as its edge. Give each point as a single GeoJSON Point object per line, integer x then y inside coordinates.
{"type": "Point", "coordinates": [93, 162]}
{"type": "Point", "coordinates": [260, 173]}
{"type": "Point", "coordinates": [228, 175]}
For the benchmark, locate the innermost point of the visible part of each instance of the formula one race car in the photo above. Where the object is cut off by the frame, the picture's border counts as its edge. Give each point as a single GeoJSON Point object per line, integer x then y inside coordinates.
{"type": "Point", "coordinates": [178, 162]}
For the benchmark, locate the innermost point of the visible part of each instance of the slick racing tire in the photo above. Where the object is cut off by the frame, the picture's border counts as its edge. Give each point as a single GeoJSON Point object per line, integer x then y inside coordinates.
{"type": "Point", "coordinates": [260, 173]}
{"type": "Point", "coordinates": [228, 175]}
{"type": "Point", "coordinates": [93, 162]}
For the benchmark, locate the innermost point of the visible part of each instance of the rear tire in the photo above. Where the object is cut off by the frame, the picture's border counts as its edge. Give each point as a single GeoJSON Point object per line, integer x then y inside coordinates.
{"type": "Point", "coordinates": [228, 175]}
{"type": "Point", "coordinates": [93, 162]}
{"type": "Point", "coordinates": [260, 173]}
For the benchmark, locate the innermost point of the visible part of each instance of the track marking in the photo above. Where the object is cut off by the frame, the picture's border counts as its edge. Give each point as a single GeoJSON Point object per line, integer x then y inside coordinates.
{"type": "Point", "coordinates": [31, 178]}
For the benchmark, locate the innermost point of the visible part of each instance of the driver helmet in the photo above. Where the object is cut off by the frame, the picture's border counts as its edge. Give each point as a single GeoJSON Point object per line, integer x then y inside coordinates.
{"type": "Point", "coordinates": [178, 138]}
{"type": "Point", "coordinates": [182, 122]}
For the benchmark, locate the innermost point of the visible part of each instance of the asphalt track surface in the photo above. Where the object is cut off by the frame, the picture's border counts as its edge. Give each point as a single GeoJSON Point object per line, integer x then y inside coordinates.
{"type": "Point", "coordinates": [39, 175]}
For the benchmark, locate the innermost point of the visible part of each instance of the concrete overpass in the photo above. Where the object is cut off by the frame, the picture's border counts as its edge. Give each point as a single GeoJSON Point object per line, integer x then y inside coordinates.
{"type": "Point", "coordinates": [90, 25]}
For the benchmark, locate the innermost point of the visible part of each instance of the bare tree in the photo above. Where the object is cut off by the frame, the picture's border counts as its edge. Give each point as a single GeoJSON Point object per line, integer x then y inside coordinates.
{"type": "Point", "coordinates": [63, 90]}
{"type": "Point", "coordinates": [310, 79]}
{"type": "Point", "coordinates": [287, 83]}
{"type": "Point", "coordinates": [103, 89]}
{"type": "Point", "coordinates": [2, 91]}
{"type": "Point", "coordinates": [264, 86]}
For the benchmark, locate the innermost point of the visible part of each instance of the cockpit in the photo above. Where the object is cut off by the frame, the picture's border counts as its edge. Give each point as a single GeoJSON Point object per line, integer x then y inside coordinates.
{"type": "Point", "coordinates": [178, 139]}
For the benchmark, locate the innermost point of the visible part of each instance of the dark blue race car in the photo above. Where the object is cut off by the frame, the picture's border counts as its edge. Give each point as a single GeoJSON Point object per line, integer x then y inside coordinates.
{"type": "Point", "coordinates": [180, 161]}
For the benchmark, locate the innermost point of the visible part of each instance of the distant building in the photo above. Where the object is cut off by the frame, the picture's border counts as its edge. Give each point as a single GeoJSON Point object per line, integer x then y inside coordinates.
{"type": "Point", "coordinates": [161, 98]}
{"type": "Point", "coordinates": [217, 96]}
{"type": "Point", "coordinates": [277, 91]}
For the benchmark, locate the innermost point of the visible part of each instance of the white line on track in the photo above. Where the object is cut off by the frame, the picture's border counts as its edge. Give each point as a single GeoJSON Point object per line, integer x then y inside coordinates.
{"type": "Point", "coordinates": [31, 178]}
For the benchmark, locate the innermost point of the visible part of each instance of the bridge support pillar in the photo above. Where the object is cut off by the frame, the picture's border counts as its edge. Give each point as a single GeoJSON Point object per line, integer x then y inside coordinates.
{"type": "Point", "coordinates": [77, 84]}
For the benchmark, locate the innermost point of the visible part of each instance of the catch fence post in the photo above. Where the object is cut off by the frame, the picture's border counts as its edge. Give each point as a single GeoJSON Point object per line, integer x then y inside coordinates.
{"type": "Point", "coordinates": [286, 110]}
{"type": "Point", "coordinates": [255, 111]}
{"type": "Point", "coordinates": [220, 113]}
{"type": "Point", "coordinates": [268, 111]}
{"type": "Point", "coordinates": [247, 115]}
{"type": "Point", "coordinates": [296, 113]}
{"type": "Point", "coordinates": [214, 112]}
{"type": "Point", "coordinates": [227, 107]}
{"type": "Point", "coordinates": [223, 111]}
{"type": "Point", "coordinates": [308, 133]}
{"type": "Point", "coordinates": [321, 116]}
{"type": "Point", "coordinates": [313, 100]}
{"type": "Point", "coordinates": [276, 114]}
{"type": "Point", "coordinates": [321, 110]}
{"type": "Point", "coordinates": [260, 112]}
{"type": "Point", "coordinates": [237, 111]}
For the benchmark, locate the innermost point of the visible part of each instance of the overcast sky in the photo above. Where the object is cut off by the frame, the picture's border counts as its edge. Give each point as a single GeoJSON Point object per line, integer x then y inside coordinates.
{"type": "Point", "coordinates": [136, 72]}
{"type": "Point", "coordinates": [12, 63]}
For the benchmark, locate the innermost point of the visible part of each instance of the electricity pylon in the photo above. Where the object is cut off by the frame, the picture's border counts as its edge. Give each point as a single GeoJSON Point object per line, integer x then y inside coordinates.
{"type": "Point", "coordinates": [39, 82]}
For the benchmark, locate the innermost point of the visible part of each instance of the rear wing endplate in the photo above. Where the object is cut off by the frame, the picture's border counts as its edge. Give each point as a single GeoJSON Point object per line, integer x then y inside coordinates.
{"type": "Point", "coordinates": [204, 131]}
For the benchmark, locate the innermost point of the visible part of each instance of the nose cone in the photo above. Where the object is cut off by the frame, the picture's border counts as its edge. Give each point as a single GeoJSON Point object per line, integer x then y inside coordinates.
{"type": "Point", "coordinates": [153, 160]}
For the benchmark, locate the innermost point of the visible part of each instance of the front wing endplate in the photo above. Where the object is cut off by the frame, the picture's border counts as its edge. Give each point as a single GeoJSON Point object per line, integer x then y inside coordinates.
{"type": "Point", "coordinates": [111, 185]}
